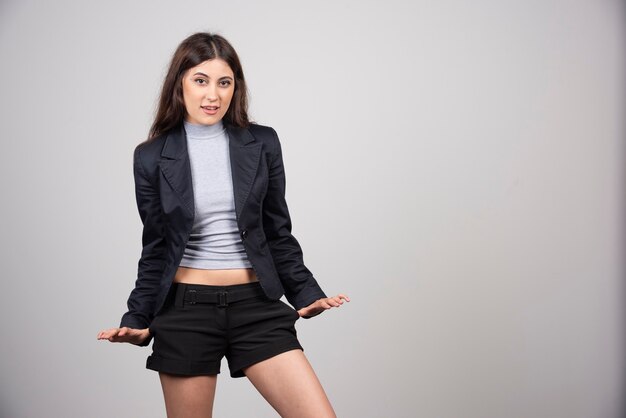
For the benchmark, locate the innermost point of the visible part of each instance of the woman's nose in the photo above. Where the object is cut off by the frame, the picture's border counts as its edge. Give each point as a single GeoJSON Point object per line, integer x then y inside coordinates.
{"type": "Point", "coordinates": [211, 93]}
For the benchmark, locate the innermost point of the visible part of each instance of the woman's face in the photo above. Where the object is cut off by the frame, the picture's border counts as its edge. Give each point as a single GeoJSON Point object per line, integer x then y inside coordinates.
{"type": "Point", "coordinates": [207, 91]}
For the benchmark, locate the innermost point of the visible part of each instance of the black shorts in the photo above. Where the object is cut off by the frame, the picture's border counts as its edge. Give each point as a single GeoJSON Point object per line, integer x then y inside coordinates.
{"type": "Point", "coordinates": [199, 324]}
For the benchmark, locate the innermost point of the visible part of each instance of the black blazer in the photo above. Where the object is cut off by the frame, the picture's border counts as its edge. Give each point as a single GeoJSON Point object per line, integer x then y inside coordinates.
{"type": "Point", "coordinates": [165, 202]}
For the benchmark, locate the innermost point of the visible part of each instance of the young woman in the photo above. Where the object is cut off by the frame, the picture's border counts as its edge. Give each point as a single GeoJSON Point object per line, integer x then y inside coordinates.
{"type": "Point", "coordinates": [218, 252]}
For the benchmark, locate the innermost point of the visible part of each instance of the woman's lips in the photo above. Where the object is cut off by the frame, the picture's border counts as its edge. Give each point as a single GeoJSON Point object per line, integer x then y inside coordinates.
{"type": "Point", "coordinates": [210, 110]}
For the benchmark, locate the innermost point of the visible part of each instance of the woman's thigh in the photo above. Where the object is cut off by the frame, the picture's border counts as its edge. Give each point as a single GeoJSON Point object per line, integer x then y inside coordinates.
{"type": "Point", "coordinates": [188, 396]}
{"type": "Point", "coordinates": [287, 381]}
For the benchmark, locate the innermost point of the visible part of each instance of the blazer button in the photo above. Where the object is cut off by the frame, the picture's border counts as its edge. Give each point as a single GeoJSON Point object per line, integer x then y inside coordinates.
{"type": "Point", "coordinates": [244, 234]}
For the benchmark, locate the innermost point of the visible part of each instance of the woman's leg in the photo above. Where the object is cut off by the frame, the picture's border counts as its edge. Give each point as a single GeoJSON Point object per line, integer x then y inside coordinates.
{"type": "Point", "coordinates": [188, 396]}
{"type": "Point", "coordinates": [287, 381]}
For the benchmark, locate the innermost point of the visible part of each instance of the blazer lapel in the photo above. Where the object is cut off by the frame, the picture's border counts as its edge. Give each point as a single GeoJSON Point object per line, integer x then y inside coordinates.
{"type": "Point", "coordinates": [245, 153]}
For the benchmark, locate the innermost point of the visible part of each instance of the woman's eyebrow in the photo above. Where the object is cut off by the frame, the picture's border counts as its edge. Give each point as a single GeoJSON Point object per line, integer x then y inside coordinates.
{"type": "Point", "coordinates": [202, 74]}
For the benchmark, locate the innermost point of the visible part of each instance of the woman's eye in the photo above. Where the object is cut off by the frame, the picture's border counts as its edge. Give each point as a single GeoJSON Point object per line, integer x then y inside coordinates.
{"type": "Point", "coordinates": [225, 83]}
{"type": "Point", "coordinates": [198, 80]}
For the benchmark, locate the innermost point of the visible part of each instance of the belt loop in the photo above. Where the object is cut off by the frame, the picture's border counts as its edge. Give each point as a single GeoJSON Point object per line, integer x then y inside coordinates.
{"type": "Point", "coordinates": [192, 296]}
{"type": "Point", "coordinates": [179, 300]}
{"type": "Point", "coordinates": [222, 300]}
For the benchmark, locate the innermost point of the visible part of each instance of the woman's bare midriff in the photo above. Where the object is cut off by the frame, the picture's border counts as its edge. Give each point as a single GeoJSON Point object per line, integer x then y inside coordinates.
{"type": "Point", "coordinates": [215, 277]}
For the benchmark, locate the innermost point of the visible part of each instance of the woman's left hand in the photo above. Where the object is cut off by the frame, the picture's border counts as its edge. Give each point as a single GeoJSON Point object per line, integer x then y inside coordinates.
{"type": "Point", "coordinates": [323, 304]}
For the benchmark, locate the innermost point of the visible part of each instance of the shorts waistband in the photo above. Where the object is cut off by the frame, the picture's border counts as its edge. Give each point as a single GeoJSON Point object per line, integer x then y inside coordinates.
{"type": "Point", "coordinates": [191, 293]}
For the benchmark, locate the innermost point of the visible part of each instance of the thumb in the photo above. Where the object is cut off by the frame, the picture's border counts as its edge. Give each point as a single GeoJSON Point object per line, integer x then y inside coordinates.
{"type": "Point", "coordinates": [122, 332]}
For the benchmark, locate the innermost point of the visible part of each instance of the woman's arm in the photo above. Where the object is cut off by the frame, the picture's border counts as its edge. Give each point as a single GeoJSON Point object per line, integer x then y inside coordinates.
{"type": "Point", "coordinates": [301, 288]}
{"type": "Point", "coordinates": [142, 299]}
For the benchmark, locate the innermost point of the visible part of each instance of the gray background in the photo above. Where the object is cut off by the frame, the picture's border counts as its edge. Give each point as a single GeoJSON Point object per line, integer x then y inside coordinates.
{"type": "Point", "coordinates": [456, 167]}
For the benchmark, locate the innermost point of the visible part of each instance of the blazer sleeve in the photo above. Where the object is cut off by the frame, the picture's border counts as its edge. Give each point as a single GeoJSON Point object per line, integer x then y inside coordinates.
{"type": "Point", "coordinates": [301, 288]}
{"type": "Point", "coordinates": [142, 299]}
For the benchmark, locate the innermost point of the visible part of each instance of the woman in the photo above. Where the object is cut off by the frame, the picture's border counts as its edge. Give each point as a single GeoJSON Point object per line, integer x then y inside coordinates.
{"type": "Point", "coordinates": [218, 252]}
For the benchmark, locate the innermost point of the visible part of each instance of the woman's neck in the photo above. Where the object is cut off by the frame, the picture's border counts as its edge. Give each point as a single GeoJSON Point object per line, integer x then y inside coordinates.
{"type": "Point", "coordinates": [203, 131]}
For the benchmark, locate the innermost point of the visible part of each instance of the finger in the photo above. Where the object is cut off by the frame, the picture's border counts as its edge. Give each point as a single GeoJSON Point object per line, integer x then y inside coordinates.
{"type": "Point", "coordinates": [108, 333]}
{"type": "Point", "coordinates": [332, 302]}
{"type": "Point", "coordinates": [338, 300]}
{"type": "Point", "coordinates": [103, 335]}
{"type": "Point", "coordinates": [114, 334]}
{"type": "Point", "coordinates": [117, 338]}
{"type": "Point", "coordinates": [342, 296]}
{"type": "Point", "coordinates": [325, 305]}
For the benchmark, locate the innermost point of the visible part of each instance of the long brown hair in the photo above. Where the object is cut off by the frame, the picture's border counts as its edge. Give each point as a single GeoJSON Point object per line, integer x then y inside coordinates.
{"type": "Point", "coordinates": [192, 51]}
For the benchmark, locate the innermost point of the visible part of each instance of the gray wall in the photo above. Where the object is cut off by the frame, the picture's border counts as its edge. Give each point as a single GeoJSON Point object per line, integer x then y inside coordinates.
{"type": "Point", "coordinates": [457, 168]}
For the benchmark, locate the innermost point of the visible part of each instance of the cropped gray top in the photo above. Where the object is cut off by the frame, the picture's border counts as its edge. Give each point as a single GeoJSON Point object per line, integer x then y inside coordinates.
{"type": "Point", "coordinates": [214, 242]}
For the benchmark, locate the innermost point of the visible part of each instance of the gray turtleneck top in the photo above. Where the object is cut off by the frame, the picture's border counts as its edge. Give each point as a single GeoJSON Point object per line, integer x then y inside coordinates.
{"type": "Point", "coordinates": [214, 242]}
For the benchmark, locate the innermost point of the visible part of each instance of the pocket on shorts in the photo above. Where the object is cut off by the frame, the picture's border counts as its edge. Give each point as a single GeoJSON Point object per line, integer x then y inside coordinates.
{"type": "Point", "coordinates": [152, 328]}
{"type": "Point", "coordinates": [293, 312]}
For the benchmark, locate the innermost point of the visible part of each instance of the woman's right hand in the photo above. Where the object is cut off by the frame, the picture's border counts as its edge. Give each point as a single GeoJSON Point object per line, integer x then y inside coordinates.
{"type": "Point", "coordinates": [124, 335]}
